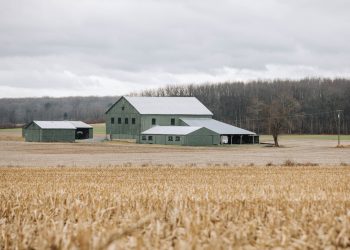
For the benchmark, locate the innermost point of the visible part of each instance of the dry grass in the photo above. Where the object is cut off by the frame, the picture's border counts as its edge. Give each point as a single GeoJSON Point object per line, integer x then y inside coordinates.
{"type": "Point", "coordinates": [10, 137]}
{"type": "Point", "coordinates": [172, 207]}
{"type": "Point", "coordinates": [291, 163]}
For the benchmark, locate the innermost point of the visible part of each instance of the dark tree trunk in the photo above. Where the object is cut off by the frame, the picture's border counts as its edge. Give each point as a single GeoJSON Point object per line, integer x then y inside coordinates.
{"type": "Point", "coordinates": [275, 139]}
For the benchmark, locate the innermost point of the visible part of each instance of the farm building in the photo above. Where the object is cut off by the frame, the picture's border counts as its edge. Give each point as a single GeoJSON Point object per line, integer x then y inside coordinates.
{"type": "Point", "coordinates": [180, 135]}
{"type": "Point", "coordinates": [171, 120]}
{"type": "Point", "coordinates": [56, 131]}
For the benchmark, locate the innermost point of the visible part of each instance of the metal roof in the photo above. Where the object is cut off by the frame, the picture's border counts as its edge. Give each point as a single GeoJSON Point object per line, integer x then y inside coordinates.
{"type": "Point", "coordinates": [168, 105]}
{"type": "Point", "coordinates": [216, 126]}
{"type": "Point", "coordinates": [61, 124]}
{"type": "Point", "coordinates": [80, 124]}
{"type": "Point", "coordinates": [55, 124]}
{"type": "Point", "coordinates": [171, 130]}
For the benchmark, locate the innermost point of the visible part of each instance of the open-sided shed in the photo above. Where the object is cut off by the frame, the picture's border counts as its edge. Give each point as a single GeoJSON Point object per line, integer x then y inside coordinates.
{"type": "Point", "coordinates": [56, 131]}
{"type": "Point", "coordinates": [82, 130]}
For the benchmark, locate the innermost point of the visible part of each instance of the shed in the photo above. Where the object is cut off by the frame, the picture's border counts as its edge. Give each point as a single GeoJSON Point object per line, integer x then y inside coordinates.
{"type": "Point", "coordinates": [180, 135]}
{"type": "Point", "coordinates": [56, 131]}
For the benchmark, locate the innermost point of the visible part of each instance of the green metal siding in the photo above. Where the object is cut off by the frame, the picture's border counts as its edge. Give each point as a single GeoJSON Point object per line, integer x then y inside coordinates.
{"type": "Point", "coordinates": [201, 137]}
{"type": "Point", "coordinates": [163, 139]}
{"type": "Point", "coordinates": [123, 131]}
{"type": "Point", "coordinates": [174, 142]}
{"type": "Point", "coordinates": [58, 135]}
{"type": "Point", "coordinates": [32, 133]}
{"type": "Point", "coordinates": [215, 137]}
{"type": "Point", "coordinates": [91, 133]}
{"type": "Point", "coordinates": [164, 120]}
{"type": "Point", "coordinates": [199, 140]}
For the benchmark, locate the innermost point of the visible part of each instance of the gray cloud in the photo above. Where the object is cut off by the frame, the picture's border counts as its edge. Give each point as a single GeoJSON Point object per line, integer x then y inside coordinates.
{"type": "Point", "coordinates": [100, 47]}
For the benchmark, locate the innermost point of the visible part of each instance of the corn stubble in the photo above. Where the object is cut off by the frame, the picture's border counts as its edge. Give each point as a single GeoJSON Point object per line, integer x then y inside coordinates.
{"type": "Point", "coordinates": [175, 207]}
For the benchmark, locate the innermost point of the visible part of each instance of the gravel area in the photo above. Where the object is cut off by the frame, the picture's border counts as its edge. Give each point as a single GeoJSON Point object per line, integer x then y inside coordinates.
{"type": "Point", "coordinates": [19, 153]}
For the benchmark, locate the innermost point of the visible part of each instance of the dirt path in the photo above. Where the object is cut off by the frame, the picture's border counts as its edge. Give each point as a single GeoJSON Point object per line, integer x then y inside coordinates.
{"type": "Point", "coordinates": [17, 153]}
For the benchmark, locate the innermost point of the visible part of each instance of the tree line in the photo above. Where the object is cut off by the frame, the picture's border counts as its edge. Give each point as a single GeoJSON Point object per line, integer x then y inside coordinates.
{"type": "Point", "coordinates": [19, 111]}
{"type": "Point", "coordinates": [307, 106]}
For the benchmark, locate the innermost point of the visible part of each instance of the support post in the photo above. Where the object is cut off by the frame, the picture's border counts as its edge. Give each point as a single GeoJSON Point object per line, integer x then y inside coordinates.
{"type": "Point", "coordinates": [339, 111]}
{"type": "Point", "coordinates": [240, 140]}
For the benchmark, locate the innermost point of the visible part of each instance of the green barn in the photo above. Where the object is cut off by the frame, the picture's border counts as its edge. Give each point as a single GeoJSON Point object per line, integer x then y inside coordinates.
{"type": "Point", "coordinates": [171, 120]}
{"type": "Point", "coordinates": [56, 131]}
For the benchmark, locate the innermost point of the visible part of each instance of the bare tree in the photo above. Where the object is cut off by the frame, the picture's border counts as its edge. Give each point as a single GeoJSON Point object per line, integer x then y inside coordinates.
{"type": "Point", "coordinates": [276, 120]}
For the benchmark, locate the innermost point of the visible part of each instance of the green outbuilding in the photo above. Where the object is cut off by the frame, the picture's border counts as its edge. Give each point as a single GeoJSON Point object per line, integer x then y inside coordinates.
{"type": "Point", "coordinates": [56, 131]}
{"type": "Point", "coordinates": [180, 135]}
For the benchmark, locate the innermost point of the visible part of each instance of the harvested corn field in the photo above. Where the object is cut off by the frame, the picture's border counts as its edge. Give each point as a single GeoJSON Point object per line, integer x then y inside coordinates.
{"type": "Point", "coordinates": [175, 207]}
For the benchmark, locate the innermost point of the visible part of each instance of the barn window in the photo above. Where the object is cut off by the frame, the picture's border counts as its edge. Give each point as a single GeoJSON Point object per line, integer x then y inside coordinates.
{"type": "Point", "coordinates": [126, 121]}
{"type": "Point", "coordinates": [172, 121]}
{"type": "Point", "coordinates": [119, 120]}
{"type": "Point", "coordinates": [170, 138]}
{"type": "Point", "coordinates": [112, 120]}
{"type": "Point", "coordinates": [153, 121]}
{"type": "Point", "coordinates": [143, 137]}
{"type": "Point", "coordinates": [177, 138]}
{"type": "Point", "coordinates": [133, 120]}
{"type": "Point", "coordinates": [123, 108]}
{"type": "Point", "coordinates": [150, 138]}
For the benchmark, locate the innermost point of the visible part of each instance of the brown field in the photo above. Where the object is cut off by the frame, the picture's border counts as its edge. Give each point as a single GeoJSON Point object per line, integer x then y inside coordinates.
{"type": "Point", "coordinates": [117, 195]}
{"type": "Point", "coordinates": [175, 207]}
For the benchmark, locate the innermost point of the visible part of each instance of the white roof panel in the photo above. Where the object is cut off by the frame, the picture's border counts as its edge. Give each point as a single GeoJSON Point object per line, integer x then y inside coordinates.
{"type": "Point", "coordinates": [61, 124]}
{"type": "Point", "coordinates": [171, 130]}
{"type": "Point", "coordinates": [216, 126]}
{"type": "Point", "coordinates": [168, 105]}
{"type": "Point", "coordinates": [80, 124]}
{"type": "Point", "coordinates": [55, 124]}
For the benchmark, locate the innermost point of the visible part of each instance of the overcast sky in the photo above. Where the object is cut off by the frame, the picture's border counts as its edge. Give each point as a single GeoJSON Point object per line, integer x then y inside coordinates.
{"type": "Point", "coordinates": [111, 47]}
